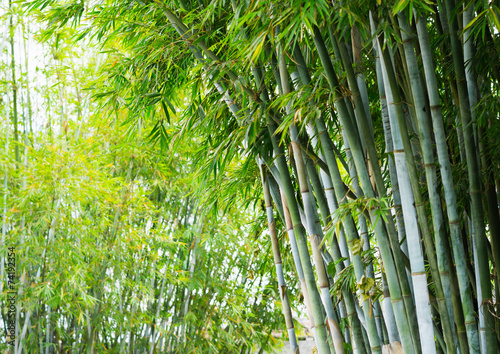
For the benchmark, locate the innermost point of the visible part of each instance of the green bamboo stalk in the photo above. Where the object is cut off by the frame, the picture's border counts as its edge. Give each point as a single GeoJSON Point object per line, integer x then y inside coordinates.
{"type": "Point", "coordinates": [492, 210]}
{"type": "Point", "coordinates": [20, 336]}
{"type": "Point", "coordinates": [410, 223]}
{"type": "Point", "coordinates": [314, 296]}
{"type": "Point", "coordinates": [315, 241]}
{"type": "Point", "coordinates": [339, 194]}
{"type": "Point", "coordinates": [377, 177]}
{"type": "Point", "coordinates": [332, 207]}
{"type": "Point", "coordinates": [352, 172]}
{"type": "Point", "coordinates": [477, 214]}
{"type": "Point", "coordinates": [154, 329]}
{"type": "Point", "coordinates": [428, 156]}
{"type": "Point", "coordinates": [329, 193]}
{"type": "Point", "coordinates": [482, 331]}
{"type": "Point", "coordinates": [442, 246]}
{"type": "Point", "coordinates": [297, 262]}
{"type": "Point", "coordinates": [360, 76]}
{"type": "Point", "coordinates": [380, 231]}
{"type": "Point", "coordinates": [337, 255]}
{"type": "Point", "coordinates": [481, 140]}
{"type": "Point", "coordinates": [301, 243]}
{"type": "Point", "coordinates": [352, 237]}
{"type": "Point", "coordinates": [38, 336]}
{"type": "Point", "coordinates": [5, 199]}
{"type": "Point", "coordinates": [276, 196]}
{"type": "Point", "coordinates": [372, 158]}
{"type": "Point", "coordinates": [14, 116]}
{"type": "Point", "coordinates": [424, 227]}
{"type": "Point", "coordinates": [323, 281]}
{"type": "Point", "coordinates": [28, 96]}
{"type": "Point", "coordinates": [363, 229]}
{"type": "Point", "coordinates": [364, 125]}
{"type": "Point", "coordinates": [48, 332]}
{"type": "Point", "coordinates": [294, 247]}
{"type": "Point", "coordinates": [314, 238]}
{"type": "Point", "coordinates": [288, 189]}
{"type": "Point", "coordinates": [299, 144]}
{"type": "Point", "coordinates": [449, 191]}
{"type": "Point", "coordinates": [316, 307]}
{"type": "Point", "coordinates": [389, 148]}
{"type": "Point", "coordinates": [390, 320]}
{"type": "Point", "coordinates": [287, 311]}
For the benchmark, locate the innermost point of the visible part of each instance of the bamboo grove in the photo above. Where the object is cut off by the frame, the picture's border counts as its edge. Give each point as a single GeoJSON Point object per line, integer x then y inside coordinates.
{"type": "Point", "coordinates": [114, 252]}
{"type": "Point", "coordinates": [371, 129]}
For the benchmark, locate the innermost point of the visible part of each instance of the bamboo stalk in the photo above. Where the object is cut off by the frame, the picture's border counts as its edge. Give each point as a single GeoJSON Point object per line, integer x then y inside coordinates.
{"type": "Point", "coordinates": [477, 214]}
{"type": "Point", "coordinates": [14, 84]}
{"type": "Point", "coordinates": [5, 199]}
{"type": "Point", "coordinates": [430, 168]}
{"type": "Point", "coordinates": [298, 228]}
{"type": "Point", "coordinates": [389, 148]}
{"type": "Point", "coordinates": [302, 245]}
{"type": "Point", "coordinates": [482, 141]}
{"type": "Point", "coordinates": [297, 263]}
{"type": "Point", "coordinates": [424, 227]}
{"type": "Point", "coordinates": [287, 312]}
{"type": "Point", "coordinates": [397, 300]}
{"type": "Point", "coordinates": [410, 223]}
{"type": "Point", "coordinates": [328, 151]}
{"type": "Point", "coordinates": [323, 281]}
{"type": "Point", "coordinates": [449, 191]}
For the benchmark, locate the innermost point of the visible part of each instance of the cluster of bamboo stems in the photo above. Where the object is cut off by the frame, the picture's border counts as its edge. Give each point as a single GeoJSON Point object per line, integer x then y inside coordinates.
{"type": "Point", "coordinates": [144, 305]}
{"type": "Point", "coordinates": [456, 312]}
{"type": "Point", "coordinates": [364, 119]}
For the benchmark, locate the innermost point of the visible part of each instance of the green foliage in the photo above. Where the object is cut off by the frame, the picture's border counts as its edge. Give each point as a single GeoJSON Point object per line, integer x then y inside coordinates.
{"type": "Point", "coordinates": [151, 193]}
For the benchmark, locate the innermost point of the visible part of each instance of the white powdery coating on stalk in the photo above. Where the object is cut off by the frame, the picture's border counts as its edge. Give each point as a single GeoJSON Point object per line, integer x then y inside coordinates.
{"type": "Point", "coordinates": [292, 339]}
{"type": "Point", "coordinates": [279, 273]}
{"type": "Point", "coordinates": [388, 312]}
{"type": "Point", "coordinates": [482, 329]}
{"type": "Point", "coordinates": [270, 217]}
{"type": "Point", "coordinates": [325, 295]}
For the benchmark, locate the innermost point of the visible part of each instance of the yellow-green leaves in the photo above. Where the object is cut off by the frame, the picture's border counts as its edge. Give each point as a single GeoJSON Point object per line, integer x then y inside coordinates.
{"type": "Point", "coordinates": [418, 6]}
{"type": "Point", "coordinates": [365, 285]}
{"type": "Point", "coordinates": [357, 246]}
